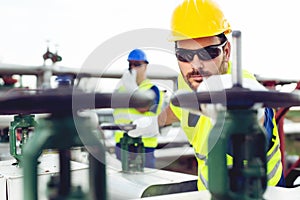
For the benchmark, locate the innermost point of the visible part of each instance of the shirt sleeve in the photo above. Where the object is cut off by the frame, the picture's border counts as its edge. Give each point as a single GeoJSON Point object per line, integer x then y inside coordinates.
{"type": "Point", "coordinates": [269, 126]}
{"type": "Point", "coordinates": [156, 100]}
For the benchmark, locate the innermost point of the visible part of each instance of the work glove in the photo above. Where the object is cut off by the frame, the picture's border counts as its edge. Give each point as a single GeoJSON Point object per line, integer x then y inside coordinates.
{"type": "Point", "coordinates": [145, 127]}
{"type": "Point", "coordinates": [129, 81]}
{"type": "Point", "coordinates": [220, 83]}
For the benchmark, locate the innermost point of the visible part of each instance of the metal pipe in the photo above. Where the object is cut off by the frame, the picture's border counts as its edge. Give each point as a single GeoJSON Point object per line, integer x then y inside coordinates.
{"type": "Point", "coordinates": [236, 59]}
{"type": "Point", "coordinates": [64, 172]}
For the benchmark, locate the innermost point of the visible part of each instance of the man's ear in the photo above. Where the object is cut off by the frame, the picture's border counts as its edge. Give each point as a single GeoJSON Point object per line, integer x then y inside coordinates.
{"type": "Point", "coordinates": [227, 50]}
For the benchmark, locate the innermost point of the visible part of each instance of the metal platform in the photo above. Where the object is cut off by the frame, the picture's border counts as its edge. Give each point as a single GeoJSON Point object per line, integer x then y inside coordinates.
{"type": "Point", "coordinates": [151, 182]}
{"type": "Point", "coordinates": [272, 193]}
{"type": "Point", "coordinates": [11, 176]}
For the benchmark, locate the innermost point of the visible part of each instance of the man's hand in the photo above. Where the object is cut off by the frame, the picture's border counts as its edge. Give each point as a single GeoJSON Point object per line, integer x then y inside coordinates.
{"type": "Point", "coordinates": [145, 127]}
{"type": "Point", "coordinates": [220, 83]}
{"type": "Point", "coordinates": [129, 80]}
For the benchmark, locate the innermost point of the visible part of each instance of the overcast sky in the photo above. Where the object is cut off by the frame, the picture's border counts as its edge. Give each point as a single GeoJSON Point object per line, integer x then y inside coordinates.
{"type": "Point", "coordinates": [270, 44]}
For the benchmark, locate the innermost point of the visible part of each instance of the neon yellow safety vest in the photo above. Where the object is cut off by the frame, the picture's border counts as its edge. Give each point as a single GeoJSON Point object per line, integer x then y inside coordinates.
{"type": "Point", "coordinates": [127, 115]}
{"type": "Point", "coordinates": [198, 138]}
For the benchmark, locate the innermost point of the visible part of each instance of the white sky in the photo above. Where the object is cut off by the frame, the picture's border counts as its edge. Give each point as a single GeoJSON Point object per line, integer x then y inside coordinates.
{"type": "Point", "coordinates": [270, 45]}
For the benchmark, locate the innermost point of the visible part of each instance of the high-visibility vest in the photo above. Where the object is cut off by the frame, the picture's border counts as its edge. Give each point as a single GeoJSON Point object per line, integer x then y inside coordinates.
{"type": "Point", "coordinates": [127, 115]}
{"type": "Point", "coordinates": [197, 131]}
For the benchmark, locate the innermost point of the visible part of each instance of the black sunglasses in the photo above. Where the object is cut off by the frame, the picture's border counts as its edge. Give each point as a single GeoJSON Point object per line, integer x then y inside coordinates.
{"type": "Point", "coordinates": [206, 53]}
{"type": "Point", "coordinates": [135, 64]}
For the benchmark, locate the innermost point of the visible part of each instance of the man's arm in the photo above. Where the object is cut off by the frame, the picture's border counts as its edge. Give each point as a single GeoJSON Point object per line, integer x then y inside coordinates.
{"type": "Point", "coordinates": [149, 126]}
{"type": "Point", "coordinates": [153, 108]}
{"type": "Point", "coordinates": [167, 117]}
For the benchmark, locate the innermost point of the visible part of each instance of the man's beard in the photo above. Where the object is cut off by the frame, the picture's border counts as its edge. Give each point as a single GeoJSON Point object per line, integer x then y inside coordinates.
{"type": "Point", "coordinates": [221, 70]}
{"type": "Point", "coordinates": [223, 67]}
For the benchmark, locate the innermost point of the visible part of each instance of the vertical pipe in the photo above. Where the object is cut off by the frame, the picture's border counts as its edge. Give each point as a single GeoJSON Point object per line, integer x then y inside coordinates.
{"type": "Point", "coordinates": [97, 175]}
{"type": "Point", "coordinates": [236, 59]}
{"type": "Point", "coordinates": [65, 172]}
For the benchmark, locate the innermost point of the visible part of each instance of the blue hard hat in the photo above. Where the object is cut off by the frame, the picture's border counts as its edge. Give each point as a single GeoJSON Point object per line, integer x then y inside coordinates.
{"type": "Point", "coordinates": [137, 54]}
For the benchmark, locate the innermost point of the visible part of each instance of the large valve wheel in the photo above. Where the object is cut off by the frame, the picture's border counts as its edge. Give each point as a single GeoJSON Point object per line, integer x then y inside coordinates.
{"type": "Point", "coordinates": [237, 97]}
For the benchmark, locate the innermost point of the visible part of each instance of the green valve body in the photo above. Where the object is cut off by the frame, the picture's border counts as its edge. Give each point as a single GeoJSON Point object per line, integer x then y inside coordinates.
{"type": "Point", "coordinates": [132, 154]}
{"type": "Point", "coordinates": [23, 122]}
{"type": "Point", "coordinates": [237, 133]}
{"type": "Point", "coordinates": [62, 133]}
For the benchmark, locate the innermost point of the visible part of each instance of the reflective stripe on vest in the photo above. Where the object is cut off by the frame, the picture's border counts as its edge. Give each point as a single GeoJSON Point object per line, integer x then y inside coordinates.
{"type": "Point", "coordinates": [201, 157]}
{"type": "Point", "coordinates": [127, 115]}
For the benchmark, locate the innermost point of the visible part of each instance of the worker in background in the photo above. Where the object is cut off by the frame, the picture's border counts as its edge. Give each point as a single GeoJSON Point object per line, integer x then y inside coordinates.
{"type": "Point", "coordinates": [200, 31]}
{"type": "Point", "coordinates": [135, 79]}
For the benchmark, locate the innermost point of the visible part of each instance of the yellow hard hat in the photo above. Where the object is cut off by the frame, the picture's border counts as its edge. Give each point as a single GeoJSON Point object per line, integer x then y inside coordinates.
{"type": "Point", "coordinates": [198, 18]}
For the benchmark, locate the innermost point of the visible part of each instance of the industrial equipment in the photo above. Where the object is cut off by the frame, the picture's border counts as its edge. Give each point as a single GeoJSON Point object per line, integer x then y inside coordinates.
{"type": "Point", "coordinates": [132, 149]}
{"type": "Point", "coordinates": [61, 131]}
{"type": "Point", "coordinates": [141, 181]}
{"type": "Point", "coordinates": [20, 128]}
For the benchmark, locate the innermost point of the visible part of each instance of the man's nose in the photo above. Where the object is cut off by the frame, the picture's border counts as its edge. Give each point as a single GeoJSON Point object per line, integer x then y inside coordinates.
{"type": "Point", "coordinates": [196, 62]}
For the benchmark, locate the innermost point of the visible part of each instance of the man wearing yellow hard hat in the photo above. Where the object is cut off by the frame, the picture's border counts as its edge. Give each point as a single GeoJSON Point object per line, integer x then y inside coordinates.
{"type": "Point", "coordinates": [200, 31]}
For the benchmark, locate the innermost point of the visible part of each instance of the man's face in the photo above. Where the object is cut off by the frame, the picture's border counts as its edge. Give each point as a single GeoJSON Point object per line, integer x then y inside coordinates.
{"type": "Point", "coordinates": [195, 69]}
{"type": "Point", "coordinates": [140, 67]}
